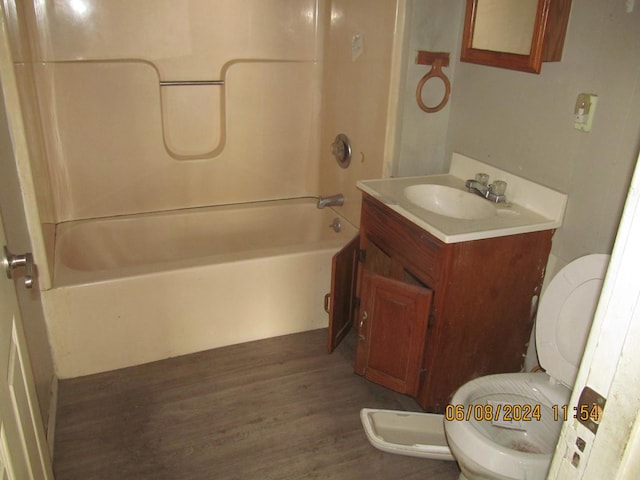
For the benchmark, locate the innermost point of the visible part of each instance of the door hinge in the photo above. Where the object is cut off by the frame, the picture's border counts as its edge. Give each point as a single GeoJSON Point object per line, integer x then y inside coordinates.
{"type": "Point", "coordinates": [362, 255]}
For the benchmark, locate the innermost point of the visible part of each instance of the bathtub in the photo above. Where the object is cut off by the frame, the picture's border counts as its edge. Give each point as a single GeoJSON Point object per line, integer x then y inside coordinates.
{"type": "Point", "coordinates": [135, 289]}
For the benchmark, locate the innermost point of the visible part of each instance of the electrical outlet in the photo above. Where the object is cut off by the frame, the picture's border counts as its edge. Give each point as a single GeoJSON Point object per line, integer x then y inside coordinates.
{"type": "Point", "coordinates": [584, 110]}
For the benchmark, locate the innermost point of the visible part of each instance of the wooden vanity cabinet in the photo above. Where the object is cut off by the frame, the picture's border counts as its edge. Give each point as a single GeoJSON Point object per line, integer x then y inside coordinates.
{"type": "Point", "coordinates": [431, 316]}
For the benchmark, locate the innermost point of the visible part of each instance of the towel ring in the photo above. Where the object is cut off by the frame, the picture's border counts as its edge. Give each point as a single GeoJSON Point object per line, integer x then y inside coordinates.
{"type": "Point", "coordinates": [437, 61]}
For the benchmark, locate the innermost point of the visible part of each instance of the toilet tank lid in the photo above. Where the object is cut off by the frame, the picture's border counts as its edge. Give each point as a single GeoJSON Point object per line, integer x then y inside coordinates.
{"type": "Point", "coordinates": [565, 315]}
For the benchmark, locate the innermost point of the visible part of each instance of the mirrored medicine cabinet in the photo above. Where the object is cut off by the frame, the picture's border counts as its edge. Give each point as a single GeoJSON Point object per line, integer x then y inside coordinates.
{"type": "Point", "coordinates": [514, 34]}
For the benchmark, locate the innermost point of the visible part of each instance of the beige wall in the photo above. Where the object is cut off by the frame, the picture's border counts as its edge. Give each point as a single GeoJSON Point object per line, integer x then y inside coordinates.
{"type": "Point", "coordinates": [523, 122]}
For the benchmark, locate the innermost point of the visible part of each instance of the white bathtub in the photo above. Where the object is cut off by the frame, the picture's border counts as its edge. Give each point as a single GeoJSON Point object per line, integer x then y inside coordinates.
{"type": "Point", "coordinates": [134, 289]}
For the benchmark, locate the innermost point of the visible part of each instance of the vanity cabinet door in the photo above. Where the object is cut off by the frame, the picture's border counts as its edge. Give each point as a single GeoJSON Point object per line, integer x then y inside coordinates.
{"type": "Point", "coordinates": [392, 328]}
{"type": "Point", "coordinates": [339, 304]}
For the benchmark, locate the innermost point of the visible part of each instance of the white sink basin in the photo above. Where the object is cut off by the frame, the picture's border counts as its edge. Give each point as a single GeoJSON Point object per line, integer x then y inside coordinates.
{"type": "Point", "coordinates": [440, 204]}
{"type": "Point", "coordinates": [450, 202]}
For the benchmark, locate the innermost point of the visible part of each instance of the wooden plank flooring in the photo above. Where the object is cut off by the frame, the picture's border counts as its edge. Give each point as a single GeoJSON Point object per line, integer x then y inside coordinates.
{"type": "Point", "coordinates": [279, 408]}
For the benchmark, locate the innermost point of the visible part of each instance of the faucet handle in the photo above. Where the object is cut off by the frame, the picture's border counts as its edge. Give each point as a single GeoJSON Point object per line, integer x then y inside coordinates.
{"type": "Point", "coordinates": [483, 178]}
{"type": "Point", "coordinates": [499, 187]}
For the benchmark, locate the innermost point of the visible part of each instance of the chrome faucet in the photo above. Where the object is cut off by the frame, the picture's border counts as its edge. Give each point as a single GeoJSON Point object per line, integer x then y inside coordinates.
{"type": "Point", "coordinates": [336, 200]}
{"type": "Point", "coordinates": [486, 191]}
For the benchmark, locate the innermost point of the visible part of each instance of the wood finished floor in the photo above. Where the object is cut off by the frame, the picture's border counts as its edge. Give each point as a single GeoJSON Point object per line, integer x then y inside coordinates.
{"type": "Point", "coordinates": [279, 408]}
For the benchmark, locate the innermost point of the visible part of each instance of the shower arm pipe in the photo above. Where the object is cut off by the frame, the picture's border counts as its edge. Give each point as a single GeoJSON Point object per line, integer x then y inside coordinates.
{"type": "Point", "coordinates": [180, 83]}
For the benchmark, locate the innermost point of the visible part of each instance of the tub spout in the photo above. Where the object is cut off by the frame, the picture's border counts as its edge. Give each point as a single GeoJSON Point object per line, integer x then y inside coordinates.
{"type": "Point", "coordinates": [336, 200]}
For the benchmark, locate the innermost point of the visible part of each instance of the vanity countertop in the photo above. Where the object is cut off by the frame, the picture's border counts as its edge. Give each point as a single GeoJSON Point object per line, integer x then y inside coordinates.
{"type": "Point", "coordinates": [530, 207]}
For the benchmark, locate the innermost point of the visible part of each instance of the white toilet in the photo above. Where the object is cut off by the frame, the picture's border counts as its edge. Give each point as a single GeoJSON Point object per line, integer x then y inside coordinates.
{"type": "Point", "coordinates": [508, 450]}
{"type": "Point", "coordinates": [522, 450]}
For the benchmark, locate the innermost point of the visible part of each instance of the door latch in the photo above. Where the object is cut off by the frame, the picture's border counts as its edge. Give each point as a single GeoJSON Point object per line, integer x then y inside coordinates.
{"type": "Point", "coordinates": [11, 261]}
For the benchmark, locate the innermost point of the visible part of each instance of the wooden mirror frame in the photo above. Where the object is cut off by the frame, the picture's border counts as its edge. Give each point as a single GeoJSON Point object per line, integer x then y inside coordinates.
{"type": "Point", "coordinates": [549, 31]}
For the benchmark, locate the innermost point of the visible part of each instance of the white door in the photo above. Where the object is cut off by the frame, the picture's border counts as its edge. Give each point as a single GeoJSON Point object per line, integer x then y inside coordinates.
{"type": "Point", "coordinates": [609, 447]}
{"type": "Point", "coordinates": [23, 450]}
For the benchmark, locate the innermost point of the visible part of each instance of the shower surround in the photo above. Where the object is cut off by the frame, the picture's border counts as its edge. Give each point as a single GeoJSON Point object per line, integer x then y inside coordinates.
{"type": "Point", "coordinates": [168, 105]}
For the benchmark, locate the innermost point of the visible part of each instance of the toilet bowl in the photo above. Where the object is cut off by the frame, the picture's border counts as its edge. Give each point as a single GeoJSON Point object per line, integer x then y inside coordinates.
{"type": "Point", "coordinates": [488, 445]}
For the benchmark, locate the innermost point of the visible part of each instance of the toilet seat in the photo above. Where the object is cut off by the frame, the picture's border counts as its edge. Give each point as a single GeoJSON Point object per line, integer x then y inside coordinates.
{"type": "Point", "coordinates": [565, 316]}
